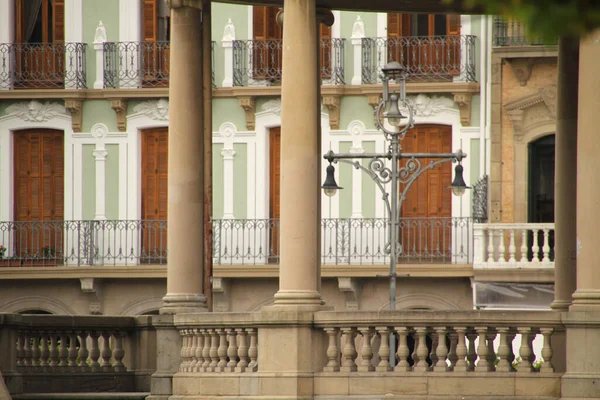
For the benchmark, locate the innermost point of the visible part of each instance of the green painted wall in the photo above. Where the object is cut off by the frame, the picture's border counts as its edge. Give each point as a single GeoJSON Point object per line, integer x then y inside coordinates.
{"type": "Point", "coordinates": [88, 191]}
{"type": "Point", "coordinates": [346, 22]}
{"type": "Point", "coordinates": [476, 110]}
{"type": "Point", "coordinates": [474, 157]}
{"type": "Point", "coordinates": [3, 105]}
{"type": "Point", "coordinates": [94, 11]}
{"type": "Point", "coordinates": [95, 111]}
{"type": "Point", "coordinates": [476, 31]}
{"type": "Point", "coordinates": [221, 12]}
{"type": "Point", "coordinates": [345, 181]}
{"type": "Point", "coordinates": [356, 108]}
{"type": "Point", "coordinates": [368, 185]}
{"type": "Point", "coordinates": [228, 110]}
{"type": "Point", "coordinates": [217, 170]}
{"type": "Point", "coordinates": [112, 182]}
{"type": "Point", "coordinates": [240, 187]}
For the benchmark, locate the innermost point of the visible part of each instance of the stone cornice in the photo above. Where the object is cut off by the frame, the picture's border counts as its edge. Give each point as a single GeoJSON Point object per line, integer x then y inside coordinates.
{"type": "Point", "coordinates": [228, 92]}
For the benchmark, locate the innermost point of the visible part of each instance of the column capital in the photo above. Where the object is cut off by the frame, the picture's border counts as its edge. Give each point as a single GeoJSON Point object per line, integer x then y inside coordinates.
{"type": "Point", "coordinates": [325, 16]}
{"type": "Point", "coordinates": [198, 4]}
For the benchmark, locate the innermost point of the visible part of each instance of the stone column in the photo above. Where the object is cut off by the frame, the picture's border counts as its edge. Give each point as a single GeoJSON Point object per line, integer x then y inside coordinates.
{"type": "Point", "coordinates": [566, 173]}
{"type": "Point", "coordinates": [299, 274]}
{"type": "Point", "coordinates": [185, 235]}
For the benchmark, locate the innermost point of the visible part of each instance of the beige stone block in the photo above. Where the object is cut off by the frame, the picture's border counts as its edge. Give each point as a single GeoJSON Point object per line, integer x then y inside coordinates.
{"type": "Point", "coordinates": [285, 386]}
{"type": "Point", "coordinates": [332, 385]}
{"type": "Point", "coordinates": [472, 385]}
{"type": "Point", "coordinates": [538, 386]}
{"type": "Point", "coordinates": [580, 387]}
{"type": "Point", "coordinates": [187, 384]}
{"type": "Point", "coordinates": [215, 384]}
{"type": "Point", "coordinates": [380, 384]}
{"type": "Point", "coordinates": [249, 384]}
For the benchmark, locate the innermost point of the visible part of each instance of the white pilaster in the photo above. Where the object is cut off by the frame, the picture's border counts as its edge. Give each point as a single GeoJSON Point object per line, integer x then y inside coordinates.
{"type": "Point", "coordinates": [336, 28]}
{"type": "Point", "coordinates": [99, 39]}
{"type": "Point", "coordinates": [229, 180]}
{"type": "Point", "coordinates": [130, 15]}
{"type": "Point", "coordinates": [358, 33]}
{"type": "Point", "coordinates": [357, 176]}
{"type": "Point", "coordinates": [100, 155]}
{"type": "Point", "coordinates": [7, 28]}
{"type": "Point", "coordinates": [73, 21]}
{"type": "Point", "coordinates": [465, 29]}
{"type": "Point", "coordinates": [74, 163]}
{"type": "Point", "coordinates": [227, 44]}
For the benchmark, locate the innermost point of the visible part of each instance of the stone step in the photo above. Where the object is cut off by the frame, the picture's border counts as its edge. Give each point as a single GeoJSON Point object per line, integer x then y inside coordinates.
{"type": "Point", "coordinates": [82, 396]}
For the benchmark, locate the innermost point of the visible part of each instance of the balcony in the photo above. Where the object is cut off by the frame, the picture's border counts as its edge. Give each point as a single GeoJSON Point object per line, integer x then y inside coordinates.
{"type": "Point", "coordinates": [258, 62]}
{"type": "Point", "coordinates": [513, 33]}
{"type": "Point", "coordinates": [138, 64]}
{"type": "Point", "coordinates": [427, 58]}
{"type": "Point", "coordinates": [235, 242]}
{"type": "Point", "coordinates": [42, 66]}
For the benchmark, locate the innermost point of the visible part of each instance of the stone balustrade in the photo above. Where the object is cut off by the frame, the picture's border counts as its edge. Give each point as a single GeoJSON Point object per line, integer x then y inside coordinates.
{"type": "Point", "coordinates": [513, 245]}
{"type": "Point", "coordinates": [438, 342]}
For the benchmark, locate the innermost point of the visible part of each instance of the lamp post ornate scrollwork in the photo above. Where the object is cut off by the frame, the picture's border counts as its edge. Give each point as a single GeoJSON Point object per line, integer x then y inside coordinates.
{"type": "Point", "coordinates": [382, 172]}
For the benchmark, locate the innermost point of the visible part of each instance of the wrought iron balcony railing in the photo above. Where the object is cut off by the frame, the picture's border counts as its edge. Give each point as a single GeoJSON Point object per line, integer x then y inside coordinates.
{"type": "Point", "coordinates": [514, 33]}
{"type": "Point", "coordinates": [42, 66]}
{"type": "Point", "coordinates": [235, 242]}
{"type": "Point", "coordinates": [427, 58]}
{"type": "Point", "coordinates": [139, 64]}
{"type": "Point", "coordinates": [258, 62]}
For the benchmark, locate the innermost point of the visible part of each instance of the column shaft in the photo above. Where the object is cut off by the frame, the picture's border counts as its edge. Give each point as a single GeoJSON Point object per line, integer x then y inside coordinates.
{"type": "Point", "coordinates": [566, 173]}
{"type": "Point", "coordinates": [587, 295]}
{"type": "Point", "coordinates": [300, 146]}
{"type": "Point", "coordinates": [185, 235]}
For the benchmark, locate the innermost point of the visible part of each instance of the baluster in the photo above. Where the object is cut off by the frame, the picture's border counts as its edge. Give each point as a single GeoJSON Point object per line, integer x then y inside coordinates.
{"type": "Point", "coordinates": [384, 349]}
{"type": "Point", "coordinates": [26, 349]}
{"type": "Point", "coordinates": [524, 246]}
{"type": "Point", "coordinates": [192, 359]}
{"type": "Point", "coordinates": [525, 351]}
{"type": "Point", "coordinates": [118, 353]}
{"type": "Point", "coordinates": [45, 352]}
{"type": "Point", "coordinates": [222, 350]}
{"type": "Point", "coordinates": [503, 351]}
{"type": "Point", "coordinates": [183, 352]}
{"type": "Point", "coordinates": [62, 351]}
{"type": "Point", "coordinates": [452, 356]}
{"type": "Point", "coordinates": [491, 356]}
{"type": "Point", "coordinates": [421, 350]}
{"type": "Point", "coordinates": [53, 350]}
{"type": "Point", "coordinates": [35, 350]}
{"type": "Point", "coordinates": [332, 351]}
{"type": "Point", "coordinates": [432, 354]}
{"type": "Point", "coordinates": [461, 350]}
{"type": "Point", "coordinates": [511, 353]}
{"type": "Point", "coordinates": [206, 351]}
{"type": "Point", "coordinates": [232, 350]}
{"type": "Point", "coordinates": [511, 247]}
{"type": "Point", "coordinates": [482, 350]}
{"type": "Point", "coordinates": [253, 350]}
{"type": "Point", "coordinates": [403, 350]}
{"type": "Point", "coordinates": [501, 248]}
{"type": "Point", "coordinates": [471, 353]}
{"type": "Point", "coordinates": [199, 349]}
{"type": "Point", "coordinates": [214, 354]}
{"type": "Point", "coordinates": [72, 354]}
{"type": "Point", "coordinates": [242, 351]}
{"type": "Point", "coordinates": [94, 352]}
{"type": "Point", "coordinates": [20, 349]}
{"type": "Point", "coordinates": [106, 352]}
{"type": "Point", "coordinates": [366, 351]}
{"type": "Point", "coordinates": [348, 351]}
{"type": "Point", "coordinates": [490, 247]}
{"type": "Point", "coordinates": [547, 351]}
{"type": "Point", "coordinates": [546, 247]}
{"type": "Point", "coordinates": [535, 248]}
{"type": "Point", "coordinates": [441, 350]}
{"type": "Point", "coordinates": [83, 352]}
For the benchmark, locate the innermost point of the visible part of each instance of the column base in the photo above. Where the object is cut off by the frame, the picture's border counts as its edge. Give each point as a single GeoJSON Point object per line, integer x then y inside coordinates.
{"type": "Point", "coordinates": [310, 298]}
{"type": "Point", "coordinates": [560, 305]}
{"type": "Point", "coordinates": [184, 304]}
{"type": "Point", "coordinates": [586, 300]}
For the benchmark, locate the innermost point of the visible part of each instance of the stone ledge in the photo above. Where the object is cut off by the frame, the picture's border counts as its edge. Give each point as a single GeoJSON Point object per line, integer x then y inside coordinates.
{"type": "Point", "coordinates": [518, 275]}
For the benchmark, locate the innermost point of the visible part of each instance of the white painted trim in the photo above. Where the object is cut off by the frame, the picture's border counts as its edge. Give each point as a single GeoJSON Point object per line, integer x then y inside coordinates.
{"type": "Point", "coordinates": [123, 179]}
{"type": "Point", "coordinates": [130, 21]}
{"type": "Point", "coordinates": [100, 155]}
{"type": "Point", "coordinates": [336, 28]}
{"type": "Point", "coordinates": [250, 23]}
{"type": "Point", "coordinates": [7, 28]}
{"type": "Point", "coordinates": [74, 21]}
{"type": "Point", "coordinates": [382, 25]}
{"type": "Point", "coordinates": [76, 186]}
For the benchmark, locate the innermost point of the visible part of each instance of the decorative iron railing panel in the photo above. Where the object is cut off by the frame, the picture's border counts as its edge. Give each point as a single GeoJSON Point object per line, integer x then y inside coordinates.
{"type": "Point", "coordinates": [42, 65]}
{"type": "Point", "coordinates": [514, 33]}
{"type": "Point", "coordinates": [427, 58]}
{"type": "Point", "coordinates": [235, 242]}
{"type": "Point", "coordinates": [480, 200]}
{"type": "Point", "coordinates": [139, 64]}
{"type": "Point", "coordinates": [258, 62]}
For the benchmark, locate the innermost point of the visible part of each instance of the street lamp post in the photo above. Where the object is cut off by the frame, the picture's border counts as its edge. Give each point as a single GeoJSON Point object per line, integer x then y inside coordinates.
{"type": "Point", "coordinates": [390, 108]}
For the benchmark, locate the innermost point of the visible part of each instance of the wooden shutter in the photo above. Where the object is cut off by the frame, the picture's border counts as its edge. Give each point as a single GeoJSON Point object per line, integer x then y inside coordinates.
{"type": "Point", "coordinates": [264, 23]}
{"type": "Point", "coordinates": [325, 52]}
{"type": "Point", "coordinates": [149, 20]}
{"type": "Point", "coordinates": [274, 189]}
{"type": "Point", "coordinates": [154, 174]}
{"type": "Point", "coordinates": [58, 21]}
{"type": "Point", "coordinates": [398, 25]}
{"type": "Point", "coordinates": [453, 24]}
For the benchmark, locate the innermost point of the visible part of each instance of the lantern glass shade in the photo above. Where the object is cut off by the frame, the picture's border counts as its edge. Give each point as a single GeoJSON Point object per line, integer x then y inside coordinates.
{"type": "Point", "coordinates": [330, 187]}
{"type": "Point", "coordinates": [458, 185]}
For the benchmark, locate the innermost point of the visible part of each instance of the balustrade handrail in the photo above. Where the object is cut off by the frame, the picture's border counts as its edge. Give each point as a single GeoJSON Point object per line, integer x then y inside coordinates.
{"type": "Point", "coordinates": [426, 58]}
{"type": "Point", "coordinates": [43, 65]}
{"type": "Point", "coordinates": [510, 32]}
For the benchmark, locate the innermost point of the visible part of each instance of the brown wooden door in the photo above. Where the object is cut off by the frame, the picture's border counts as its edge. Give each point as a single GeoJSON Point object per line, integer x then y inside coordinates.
{"type": "Point", "coordinates": [155, 153]}
{"type": "Point", "coordinates": [274, 189]}
{"type": "Point", "coordinates": [425, 229]}
{"type": "Point", "coordinates": [155, 50]}
{"type": "Point", "coordinates": [39, 196]}
{"type": "Point", "coordinates": [266, 52]}
{"type": "Point", "coordinates": [326, 48]}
